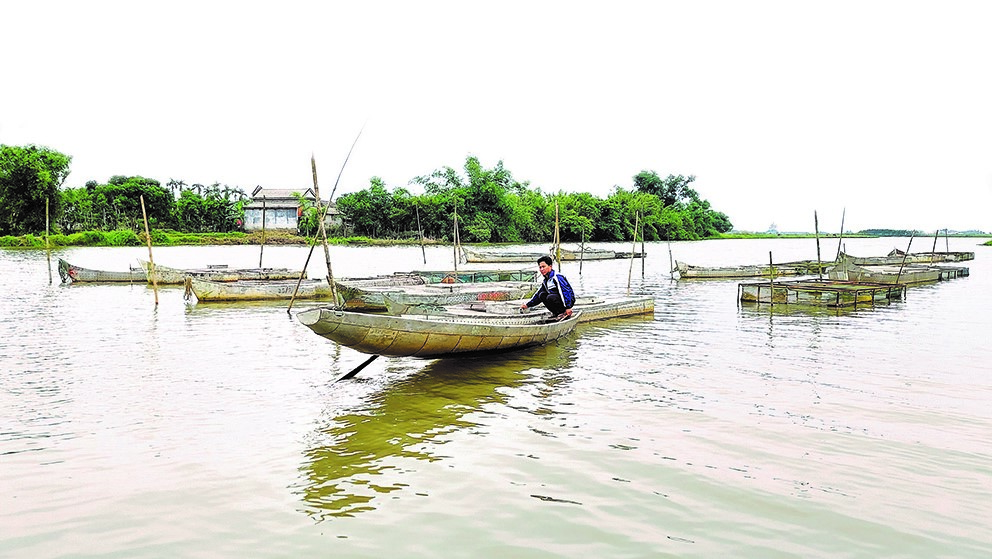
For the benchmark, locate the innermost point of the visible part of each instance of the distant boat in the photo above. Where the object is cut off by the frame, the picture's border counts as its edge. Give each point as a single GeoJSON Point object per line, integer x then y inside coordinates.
{"type": "Point", "coordinates": [494, 256]}
{"type": "Point", "coordinates": [846, 269]}
{"type": "Point", "coordinates": [798, 268]}
{"type": "Point", "coordinates": [432, 337]}
{"type": "Point", "coordinates": [896, 256]}
{"type": "Point", "coordinates": [218, 272]}
{"type": "Point", "coordinates": [71, 274]}
{"type": "Point", "coordinates": [258, 290]}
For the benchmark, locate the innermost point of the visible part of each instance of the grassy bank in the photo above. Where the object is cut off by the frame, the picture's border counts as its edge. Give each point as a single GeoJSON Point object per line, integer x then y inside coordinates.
{"type": "Point", "coordinates": [176, 238]}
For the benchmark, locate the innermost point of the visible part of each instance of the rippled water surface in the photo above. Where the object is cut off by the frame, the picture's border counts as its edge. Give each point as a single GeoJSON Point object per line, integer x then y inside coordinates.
{"type": "Point", "coordinates": [130, 429]}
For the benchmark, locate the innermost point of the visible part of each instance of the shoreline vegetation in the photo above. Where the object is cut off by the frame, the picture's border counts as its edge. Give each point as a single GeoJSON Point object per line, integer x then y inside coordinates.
{"type": "Point", "coordinates": [124, 238]}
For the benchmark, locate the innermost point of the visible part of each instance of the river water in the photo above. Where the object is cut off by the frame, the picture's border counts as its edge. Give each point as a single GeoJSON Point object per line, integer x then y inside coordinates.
{"type": "Point", "coordinates": [135, 429]}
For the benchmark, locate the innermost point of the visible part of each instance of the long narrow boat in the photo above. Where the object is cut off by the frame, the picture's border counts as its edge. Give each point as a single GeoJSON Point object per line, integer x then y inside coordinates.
{"type": "Point", "coordinates": [593, 308]}
{"type": "Point", "coordinates": [431, 337]}
{"type": "Point", "coordinates": [71, 274]}
{"type": "Point", "coordinates": [798, 268]}
{"type": "Point", "coordinates": [257, 290]}
{"type": "Point", "coordinates": [491, 256]}
{"type": "Point", "coordinates": [367, 294]}
{"type": "Point", "coordinates": [221, 272]}
{"type": "Point", "coordinates": [476, 276]}
{"type": "Point", "coordinates": [897, 257]}
{"type": "Point", "coordinates": [909, 274]}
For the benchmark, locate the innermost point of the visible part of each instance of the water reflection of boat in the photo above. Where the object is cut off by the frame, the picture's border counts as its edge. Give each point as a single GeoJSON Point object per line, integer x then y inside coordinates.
{"type": "Point", "coordinates": [364, 452]}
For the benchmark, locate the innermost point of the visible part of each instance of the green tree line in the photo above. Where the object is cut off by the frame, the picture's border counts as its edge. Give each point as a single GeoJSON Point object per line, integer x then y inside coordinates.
{"type": "Point", "coordinates": [492, 207]}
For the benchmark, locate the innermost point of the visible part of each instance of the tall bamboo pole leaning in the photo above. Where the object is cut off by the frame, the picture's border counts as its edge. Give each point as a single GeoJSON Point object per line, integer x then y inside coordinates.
{"type": "Point", "coordinates": [455, 239]}
{"type": "Point", "coordinates": [303, 272]}
{"type": "Point", "coordinates": [816, 227]}
{"type": "Point", "coordinates": [933, 251]}
{"type": "Point", "coordinates": [421, 230]}
{"type": "Point", "coordinates": [633, 247]}
{"type": "Point", "coordinates": [261, 247]}
{"type": "Point", "coordinates": [841, 239]}
{"type": "Point", "coordinates": [557, 240]}
{"type": "Point", "coordinates": [48, 248]}
{"type": "Point", "coordinates": [905, 255]}
{"type": "Point", "coordinates": [320, 227]}
{"type": "Point", "coordinates": [151, 261]}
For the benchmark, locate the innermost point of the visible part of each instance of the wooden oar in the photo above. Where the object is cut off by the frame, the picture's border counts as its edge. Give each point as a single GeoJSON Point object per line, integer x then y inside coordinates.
{"type": "Point", "coordinates": [357, 369]}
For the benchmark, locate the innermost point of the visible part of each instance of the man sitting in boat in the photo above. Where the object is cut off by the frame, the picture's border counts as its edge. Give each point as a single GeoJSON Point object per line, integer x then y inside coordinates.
{"type": "Point", "coordinates": [555, 292]}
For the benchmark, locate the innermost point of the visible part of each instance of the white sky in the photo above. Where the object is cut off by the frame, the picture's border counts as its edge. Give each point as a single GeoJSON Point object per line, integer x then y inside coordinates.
{"type": "Point", "coordinates": [779, 109]}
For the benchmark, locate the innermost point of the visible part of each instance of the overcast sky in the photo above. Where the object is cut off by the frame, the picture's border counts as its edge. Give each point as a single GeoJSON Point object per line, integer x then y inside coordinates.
{"type": "Point", "coordinates": [780, 109]}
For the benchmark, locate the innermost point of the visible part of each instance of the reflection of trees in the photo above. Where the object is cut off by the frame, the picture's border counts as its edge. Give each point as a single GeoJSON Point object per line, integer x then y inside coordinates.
{"type": "Point", "coordinates": [357, 456]}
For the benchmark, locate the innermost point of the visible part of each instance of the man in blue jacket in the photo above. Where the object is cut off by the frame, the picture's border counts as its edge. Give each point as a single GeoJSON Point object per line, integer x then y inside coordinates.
{"type": "Point", "coordinates": [555, 291]}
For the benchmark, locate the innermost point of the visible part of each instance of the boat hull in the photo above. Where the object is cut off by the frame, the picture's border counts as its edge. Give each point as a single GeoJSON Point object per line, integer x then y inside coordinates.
{"type": "Point", "coordinates": [430, 337]}
{"type": "Point", "coordinates": [76, 274]}
{"type": "Point", "coordinates": [258, 290]}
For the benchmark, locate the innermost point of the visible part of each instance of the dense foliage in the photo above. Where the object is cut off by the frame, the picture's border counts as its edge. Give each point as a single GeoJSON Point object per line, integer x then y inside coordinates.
{"type": "Point", "coordinates": [492, 207]}
{"type": "Point", "coordinates": [30, 178]}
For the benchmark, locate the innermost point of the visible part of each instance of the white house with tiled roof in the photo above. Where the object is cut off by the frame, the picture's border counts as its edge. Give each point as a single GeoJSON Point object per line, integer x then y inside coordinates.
{"type": "Point", "coordinates": [280, 209]}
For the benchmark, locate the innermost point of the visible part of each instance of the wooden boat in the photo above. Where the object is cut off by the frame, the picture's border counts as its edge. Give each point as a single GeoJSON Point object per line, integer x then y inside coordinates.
{"type": "Point", "coordinates": [909, 274]}
{"type": "Point", "coordinates": [593, 308]}
{"type": "Point", "coordinates": [70, 273]}
{"type": "Point", "coordinates": [471, 255]}
{"type": "Point", "coordinates": [820, 292]}
{"type": "Point", "coordinates": [898, 257]}
{"type": "Point", "coordinates": [257, 290]}
{"type": "Point", "coordinates": [477, 276]}
{"type": "Point", "coordinates": [797, 268]}
{"type": "Point", "coordinates": [431, 337]}
{"type": "Point", "coordinates": [220, 272]}
{"type": "Point", "coordinates": [367, 294]}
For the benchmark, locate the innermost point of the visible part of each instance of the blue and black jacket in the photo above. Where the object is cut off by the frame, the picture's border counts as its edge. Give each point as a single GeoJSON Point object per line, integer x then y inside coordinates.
{"type": "Point", "coordinates": [556, 285]}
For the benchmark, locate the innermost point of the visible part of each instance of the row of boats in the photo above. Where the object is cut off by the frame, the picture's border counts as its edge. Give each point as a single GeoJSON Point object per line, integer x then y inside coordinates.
{"type": "Point", "coordinates": [421, 313]}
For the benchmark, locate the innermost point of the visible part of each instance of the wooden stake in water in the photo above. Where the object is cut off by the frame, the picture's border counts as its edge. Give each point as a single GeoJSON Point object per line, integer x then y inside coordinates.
{"type": "Point", "coordinates": [841, 239]}
{"type": "Point", "coordinates": [557, 241]}
{"type": "Point", "coordinates": [48, 248]}
{"type": "Point", "coordinates": [456, 240]}
{"type": "Point", "coordinates": [261, 247]}
{"type": "Point", "coordinates": [905, 255]}
{"type": "Point", "coordinates": [633, 247]}
{"type": "Point", "coordinates": [816, 227]}
{"type": "Point", "coordinates": [421, 230]}
{"type": "Point", "coordinates": [151, 261]}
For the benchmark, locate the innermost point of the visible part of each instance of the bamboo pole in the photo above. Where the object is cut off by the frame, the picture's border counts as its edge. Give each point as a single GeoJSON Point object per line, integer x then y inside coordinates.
{"type": "Point", "coordinates": [841, 239]}
{"type": "Point", "coordinates": [557, 242]}
{"type": "Point", "coordinates": [455, 239]}
{"type": "Point", "coordinates": [816, 227]}
{"type": "Point", "coordinates": [48, 248]}
{"type": "Point", "coordinates": [643, 252]}
{"type": "Point", "coordinates": [905, 256]}
{"type": "Point", "coordinates": [633, 247]}
{"type": "Point", "coordinates": [322, 217]}
{"type": "Point", "coordinates": [320, 227]}
{"type": "Point", "coordinates": [261, 247]}
{"type": "Point", "coordinates": [582, 250]}
{"type": "Point", "coordinates": [151, 261]}
{"type": "Point", "coordinates": [771, 280]}
{"type": "Point", "coordinates": [933, 251]}
{"type": "Point", "coordinates": [421, 230]}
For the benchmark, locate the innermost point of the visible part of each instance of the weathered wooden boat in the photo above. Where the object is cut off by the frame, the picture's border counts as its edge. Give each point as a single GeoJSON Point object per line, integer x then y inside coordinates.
{"type": "Point", "coordinates": [820, 292]}
{"type": "Point", "coordinates": [795, 268]}
{"type": "Point", "coordinates": [70, 274]}
{"type": "Point", "coordinates": [898, 257]}
{"type": "Point", "coordinates": [477, 276]}
{"type": "Point", "coordinates": [432, 337]}
{"type": "Point", "coordinates": [909, 274]}
{"type": "Point", "coordinates": [165, 275]}
{"type": "Point", "coordinates": [257, 290]}
{"type": "Point", "coordinates": [479, 256]}
{"type": "Point", "coordinates": [593, 308]}
{"type": "Point", "coordinates": [367, 294]}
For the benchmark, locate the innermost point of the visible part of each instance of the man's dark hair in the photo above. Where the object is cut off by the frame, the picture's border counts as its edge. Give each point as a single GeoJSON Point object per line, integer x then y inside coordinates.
{"type": "Point", "coordinates": [544, 258]}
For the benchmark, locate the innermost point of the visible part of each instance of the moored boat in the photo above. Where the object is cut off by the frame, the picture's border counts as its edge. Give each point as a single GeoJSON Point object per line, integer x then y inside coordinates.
{"type": "Point", "coordinates": [220, 272]}
{"type": "Point", "coordinates": [431, 337]}
{"type": "Point", "coordinates": [71, 274]}
{"type": "Point", "coordinates": [257, 290]}
{"type": "Point", "coordinates": [567, 254]}
{"type": "Point", "coordinates": [798, 268]}
{"type": "Point", "coordinates": [367, 294]}
{"type": "Point", "coordinates": [593, 308]}
{"type": "Point", "coordinates": [820, 292]}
